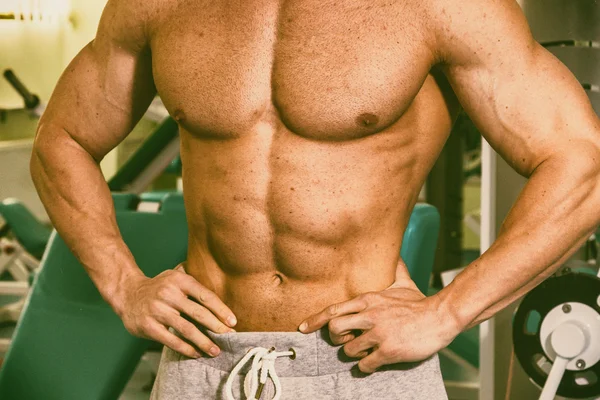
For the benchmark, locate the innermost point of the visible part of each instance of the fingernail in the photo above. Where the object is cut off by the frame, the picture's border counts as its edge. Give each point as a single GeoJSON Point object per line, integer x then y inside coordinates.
{"type": "Point", "coordinates": [303, 326]}
{"type": "Point", "coordinates": [198, 355]}
{"type": "Point", "coordinates": [231, 321]}
{"type": "Point", "coordinates": [214, 351]}
{"type": "Point", "coordinates": [232, 331]}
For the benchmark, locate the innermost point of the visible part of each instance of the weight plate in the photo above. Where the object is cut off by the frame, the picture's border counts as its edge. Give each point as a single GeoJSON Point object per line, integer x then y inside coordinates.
{"type": "Point", "coordinates": [555, 291]}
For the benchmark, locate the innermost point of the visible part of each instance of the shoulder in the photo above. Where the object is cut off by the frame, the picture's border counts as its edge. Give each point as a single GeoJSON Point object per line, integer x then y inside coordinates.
{"type": "Point", "coordinates": [464, 28]}
{"type": "Point", "coordinates": [126, 23]}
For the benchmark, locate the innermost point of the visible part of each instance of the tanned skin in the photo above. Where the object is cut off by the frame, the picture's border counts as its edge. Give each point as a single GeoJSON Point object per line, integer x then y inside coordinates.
{"type": "Point", "coordinates": [307, 130]}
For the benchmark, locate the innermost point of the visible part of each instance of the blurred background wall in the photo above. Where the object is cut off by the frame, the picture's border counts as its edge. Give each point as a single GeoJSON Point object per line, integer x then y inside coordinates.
{"type": "Point", "coordinates": [38, 52]}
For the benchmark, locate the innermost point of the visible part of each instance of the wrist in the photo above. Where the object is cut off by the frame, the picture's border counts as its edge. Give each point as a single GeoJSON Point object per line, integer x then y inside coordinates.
{"type": "Point", "coordinates": [117, 291]}
{"type": "Point", "coordinates": [451, 321]}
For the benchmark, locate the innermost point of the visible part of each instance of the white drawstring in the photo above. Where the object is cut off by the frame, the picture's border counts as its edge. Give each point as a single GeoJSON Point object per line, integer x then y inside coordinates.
{"type": "Point", "coordinates": [263, 363]}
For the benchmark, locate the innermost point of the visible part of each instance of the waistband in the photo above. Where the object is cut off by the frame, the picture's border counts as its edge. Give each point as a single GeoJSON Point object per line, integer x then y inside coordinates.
{"type": "Point", "coordinates": [315, 356]}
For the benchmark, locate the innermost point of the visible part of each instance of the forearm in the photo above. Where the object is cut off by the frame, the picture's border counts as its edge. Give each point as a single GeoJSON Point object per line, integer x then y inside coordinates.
{"type": "Point", "coordinates": [73, 190]}
{"type": "Point", "coordinates": [554, 215]}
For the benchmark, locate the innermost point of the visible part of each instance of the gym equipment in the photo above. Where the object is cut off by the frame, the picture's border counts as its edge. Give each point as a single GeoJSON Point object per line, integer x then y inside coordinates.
{"type": "Point", "coordinates": [23, 239]}
{"type": "Point", "coordinates": [32, 101]}
{"type": "Point", "coordinates": [151, 159]}
{"type": "Point", "coordinates": [420, 241]}
{"type": "Point", "coordinates": [68, 339]}
{"type": "Point", "coordinates": [571, 31]}
{"type": "Point", "coordinates": [556, 334]}
{"type": "Point", "coordinates": [71, 343]}
{"type": "Point", "coordinates": [30, 232]}
{"type": "Point", "coordinates": [554, 321]}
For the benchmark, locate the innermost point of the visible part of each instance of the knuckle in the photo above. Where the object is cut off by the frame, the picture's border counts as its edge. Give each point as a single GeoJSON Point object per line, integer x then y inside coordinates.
{"type": "Point", "coordinates": [364, 368]}
{"type": "Point", "coordinates": [389, 352]}
{"type": "Point", "coordinates": [203, 316]}
{"type": "Point", "coordinates": [173, 284]}
{"type": "Point", "coordinates": [155, 306]}
{"type": "Point", "coordinates": [206, 347]}
{"type": "Point", "coordinates": [205, 296]}
{"type": "Point", "coordinates": [342, 339]}
{"type": "Point", "coordinates": [179, 278]}
{"type": "Point", "coordinates": [131, 328]}
{"type": "Point", "coordinates": [369, 297]}
{"type": "Point", "coordinates": [369, 319]}
{"type": "Point", "coordinates": [186, 330]}
{"type": "Point", "coordinates": [163, 292]}
{"type": "Point", "coordinates": [334, 338]}
{"type": "Point", "coordinates": [145, 325]}
{"type": "Point", "coordinates": [332, 310]}
{"type": "Point", "coordinates": [385, 352]}
{"type": "Point", "coordinates": [166, 276]}
{"type": "Point", "coordinates": [173, 277]}
{"type": "Point", "coordinates": [349, 351]}
{"type": "Point", "coordinates": [182, 348]}
{"type": "Point", "coordinates": [348, 337]}
{"type": "Point", "coordinates": [334, 327]}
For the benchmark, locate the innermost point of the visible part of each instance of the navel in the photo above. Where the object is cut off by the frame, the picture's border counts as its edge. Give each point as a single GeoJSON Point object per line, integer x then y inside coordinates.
{"type": "Point", "coordinates": [277, 279]}
{"type": "Point", "coordinates": [367, 120]}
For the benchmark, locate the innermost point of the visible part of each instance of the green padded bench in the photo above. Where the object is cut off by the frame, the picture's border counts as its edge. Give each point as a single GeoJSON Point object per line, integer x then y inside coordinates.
{"type": "Point", "coordinates": [150, 149]}
{"type": "Point", "coordinates": [28, 230]}
{"type": "Point", "coordinates": [69, 345]}
{"type": "Point", "coordinates": [420, 242]}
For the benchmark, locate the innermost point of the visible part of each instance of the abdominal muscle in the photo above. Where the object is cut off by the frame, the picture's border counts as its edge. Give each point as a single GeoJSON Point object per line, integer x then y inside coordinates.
{"type": "Point", "coordinates": [282, 226]}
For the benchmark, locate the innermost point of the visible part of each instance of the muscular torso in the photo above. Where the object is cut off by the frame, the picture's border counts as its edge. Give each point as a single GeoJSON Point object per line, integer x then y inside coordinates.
{"type": "Point", "coordinates": [307, 128]}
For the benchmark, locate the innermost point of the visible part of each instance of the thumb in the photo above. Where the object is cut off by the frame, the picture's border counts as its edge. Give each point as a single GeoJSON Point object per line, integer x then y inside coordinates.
{"type": "Point", "coordinates": [402, 277]}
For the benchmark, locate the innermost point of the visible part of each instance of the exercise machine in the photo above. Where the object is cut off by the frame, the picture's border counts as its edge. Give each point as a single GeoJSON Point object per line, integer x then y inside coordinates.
{"type": "Point", "coordinates": [556, 332]}
{"type": "Point", "coordinates": [23, 239]}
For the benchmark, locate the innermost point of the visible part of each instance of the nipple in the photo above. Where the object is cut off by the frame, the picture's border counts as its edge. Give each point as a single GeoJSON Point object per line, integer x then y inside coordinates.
{"type": "Point", "coordinates": [179, 115]}
{"type": "Point", "coordinates": [367, 120]}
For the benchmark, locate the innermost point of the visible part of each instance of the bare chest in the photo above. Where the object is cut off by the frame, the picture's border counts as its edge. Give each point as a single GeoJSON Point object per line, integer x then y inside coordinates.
{"type": "Point", "coordinates": [330, 70]}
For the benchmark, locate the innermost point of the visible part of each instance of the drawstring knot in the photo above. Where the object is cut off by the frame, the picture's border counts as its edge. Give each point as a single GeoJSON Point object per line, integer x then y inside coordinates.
{"type": "Point", "coordinates": [263, 366]}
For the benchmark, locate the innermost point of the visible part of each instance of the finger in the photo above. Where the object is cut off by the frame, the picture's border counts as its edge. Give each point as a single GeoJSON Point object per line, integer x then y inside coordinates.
{"type": "Point", "coordinates": [162, 335]}
{"type": "Point", "coordinates": [208, 299]}
{"type": "Point", "coordinates": [340, 327]}
{"type": "Point", "coordinates": [203, 316]}
{"type": "Point", "coordinates": [190, 332]}
{"type": "Point", "coordinates": [341, 339]}
{"type": "Point", "coordinates": [361, 346]}
{"type": "Point", "coordinates": [319, 320]}
{"type": "Point", "coordinates": [370, 363]}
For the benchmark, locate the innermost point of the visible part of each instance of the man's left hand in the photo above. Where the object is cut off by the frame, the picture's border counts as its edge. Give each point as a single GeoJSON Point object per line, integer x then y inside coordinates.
{"type": "Point", "coordinates": [398, 324]}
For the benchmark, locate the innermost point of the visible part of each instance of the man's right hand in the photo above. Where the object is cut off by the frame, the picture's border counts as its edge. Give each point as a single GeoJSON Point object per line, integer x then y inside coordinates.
{"type": "Point", "coordinates": [151, 306]}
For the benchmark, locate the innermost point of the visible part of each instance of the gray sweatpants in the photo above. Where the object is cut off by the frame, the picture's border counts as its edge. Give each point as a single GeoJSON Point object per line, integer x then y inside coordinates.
{"type": "Point", "coordinates": [319, 371]}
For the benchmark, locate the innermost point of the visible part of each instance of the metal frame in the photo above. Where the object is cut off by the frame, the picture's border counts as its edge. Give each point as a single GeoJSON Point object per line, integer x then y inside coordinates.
{"type": "Point", "coordinates": [155, 168]}
{"type": "Point", "coordinates": [487, 237]}
{"type": "Point", "coordinates": [463, 390]}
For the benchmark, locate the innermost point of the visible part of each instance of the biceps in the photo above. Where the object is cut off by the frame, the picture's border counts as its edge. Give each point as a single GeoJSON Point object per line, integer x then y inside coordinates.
{"type": "Point", "coordinates": [527, 108]}
{"type": "Point", "coordinates": [100, 97]}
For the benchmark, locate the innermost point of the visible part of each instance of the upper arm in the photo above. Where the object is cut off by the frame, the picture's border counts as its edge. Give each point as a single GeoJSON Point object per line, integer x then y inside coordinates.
{"type": "Point", "coordinates": [526, 103]}
{"type": "Point", "coordinates": [107, 87]}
